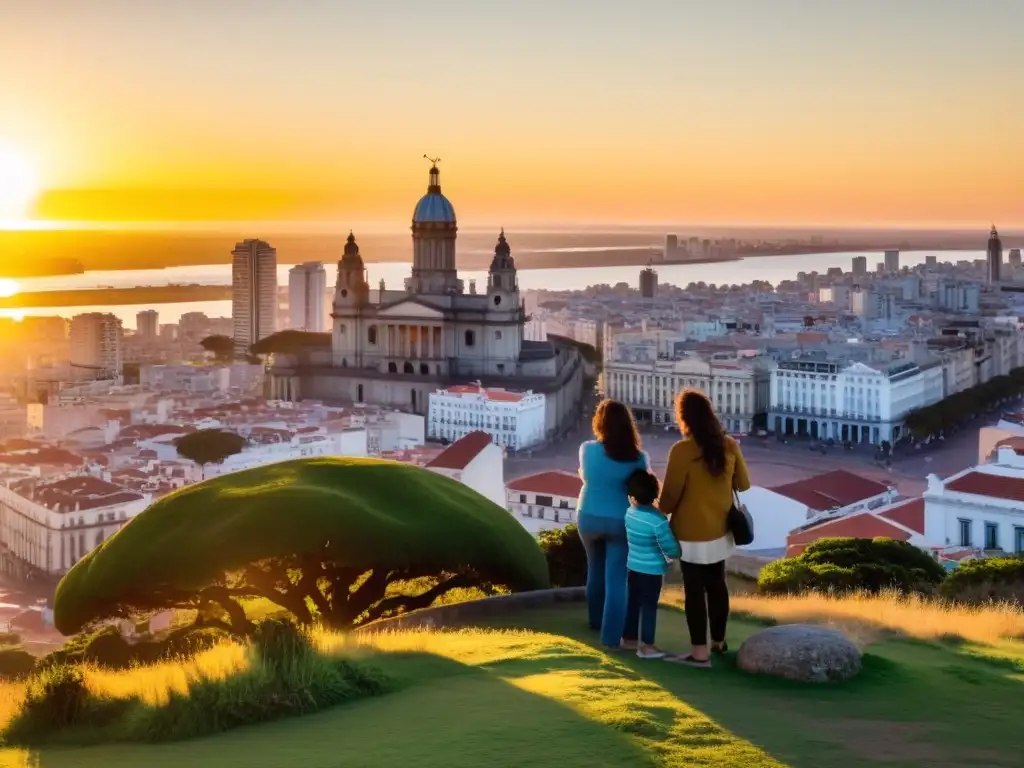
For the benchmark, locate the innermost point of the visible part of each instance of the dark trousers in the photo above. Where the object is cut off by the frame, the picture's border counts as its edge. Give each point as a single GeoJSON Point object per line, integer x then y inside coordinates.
{"type": "Point", "coordinates": [642, 593]}
{"type": "Point", "coordinates": [706, 601]}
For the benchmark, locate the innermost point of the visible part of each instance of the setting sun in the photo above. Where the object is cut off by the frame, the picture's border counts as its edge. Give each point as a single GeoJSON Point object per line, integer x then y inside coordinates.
{"type": "Point", "coordinates": [18, 184]}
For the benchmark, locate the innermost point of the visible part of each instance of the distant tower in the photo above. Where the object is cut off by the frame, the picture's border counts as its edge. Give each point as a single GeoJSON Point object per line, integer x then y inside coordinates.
{"type": "Point", "coordinates": [434, 230]}
{"type": "Point", "coordinates": [995, 256]}
{"type": "Point", "coordinates": [671, 247]}
{"type": "Point", "coordinates": [860, 266]}
{"type": "Point", "coordinates": [352, 292]}
{"type": "Point", "coordinates": [147, 323]}
{"type": "Point", "coordinates": [95, 343]}
{"type": "Point", "coordinates": [648, 283]}
{"type": "Point", "coordinates": [503, 304]}
{"type": "Point", "coordinates": [307, 289]}
{"type": "Point", "coordinates": [253, 292]}
{"type": "Point", "coordinates": [892, 261]}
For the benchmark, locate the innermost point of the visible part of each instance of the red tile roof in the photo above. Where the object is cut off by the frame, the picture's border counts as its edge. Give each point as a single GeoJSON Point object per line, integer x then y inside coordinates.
{"type": "Point", "coordinates": [860, 525]}
{"type": "Point", "coordinates": [459, 454]}
{"type": "Point", "coordinates": [1016, 443]}
{"type": "Point", "coordinates": [907, 513]}
{"type": "Point", "coordinates": [831, 490]}
{"type": "Point", "coordinates": [986, 484]}
{"type": "Point", "coordinates": [553, 483]}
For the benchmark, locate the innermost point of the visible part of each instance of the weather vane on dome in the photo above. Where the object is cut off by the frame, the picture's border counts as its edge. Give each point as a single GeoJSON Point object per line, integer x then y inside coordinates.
{"type": "Point", "coordinates": [434, 160]}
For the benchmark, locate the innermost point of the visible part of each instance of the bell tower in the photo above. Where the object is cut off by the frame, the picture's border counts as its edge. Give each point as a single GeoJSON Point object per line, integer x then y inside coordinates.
{"type": "Point", "coordinates": [351, 296]}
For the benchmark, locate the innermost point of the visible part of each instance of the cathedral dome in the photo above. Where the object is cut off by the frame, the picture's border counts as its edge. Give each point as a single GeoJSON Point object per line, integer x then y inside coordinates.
{"type": "Point", "coordinates": [434, 207]}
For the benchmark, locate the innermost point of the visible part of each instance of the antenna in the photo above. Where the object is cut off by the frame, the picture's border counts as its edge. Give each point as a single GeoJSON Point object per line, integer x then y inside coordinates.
{"type": "Point", "coordinates": [434, 160]}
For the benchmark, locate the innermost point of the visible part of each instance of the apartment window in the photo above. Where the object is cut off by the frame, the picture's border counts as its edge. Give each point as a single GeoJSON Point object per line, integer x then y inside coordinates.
{"type": "Point", "coordinates": [1018, 540]}
{"type": "Point", "coordinates": [545, 501]}
{"type": "Point", "coordinates": [564, 504]}
{"type": "Point", "coordinates": [522, 498]}
{"type": "Point", "coordinates": [470, 338]}
{"type": "Point", "coordinates": [991, 536]}
{"type": "Point", "coordinates": [965, 533]}
{"type": "Point", "coordinates": [371, 334]}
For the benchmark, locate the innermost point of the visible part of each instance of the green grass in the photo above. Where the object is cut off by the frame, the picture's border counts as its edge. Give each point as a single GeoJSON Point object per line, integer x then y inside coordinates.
{"type": "Point", "coordinates": [545, 695]}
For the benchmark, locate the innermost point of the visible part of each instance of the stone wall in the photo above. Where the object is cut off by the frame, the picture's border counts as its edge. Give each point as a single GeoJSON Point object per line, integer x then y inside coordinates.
{"type": "Point", "coordinates": [474, 610]}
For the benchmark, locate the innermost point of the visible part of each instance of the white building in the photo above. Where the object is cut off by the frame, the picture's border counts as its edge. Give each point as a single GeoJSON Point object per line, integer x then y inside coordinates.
{"type": "Point", "coordinates": [475, 461]}
{"type": "Point", "coordinates": [46, 526]}
{"type": "Point", "coordinates": [738, 388]}
{"type": "Point", "coordinates": [515, 420]}
{"type": "Point", "coordinates": [307, 291]}
{"type": "Point", "coordinates": [978, 512]}
{"type": "Point", "coordinates": [147, 323]}
{"type": "Point", "coordinates": [349, 442]}
{"type": "Point", "coordinates": [545, 500]}
{"type": "Point", "coordinates": [982, 507]}
{"type": "Point", "coordinates": [780, 510]}
{"type": "Point", "coordinates": [95, 344]}
{"type": "Point", "coordinates": [253, 292]}
{"type": "Point", "coordinates": [193, 379]}
{"type": "Point", "coordinates": [855, 402]}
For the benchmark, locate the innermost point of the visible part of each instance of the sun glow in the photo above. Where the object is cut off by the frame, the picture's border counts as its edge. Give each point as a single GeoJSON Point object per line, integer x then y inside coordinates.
{"type": "Point", "coordinates": [18, 183]}
{"type": "Point", "coordinates": [8, 288]}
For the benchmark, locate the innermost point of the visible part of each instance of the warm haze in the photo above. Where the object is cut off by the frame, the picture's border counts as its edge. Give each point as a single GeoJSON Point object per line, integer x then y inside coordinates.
{"type": "Point", "coordinates": [741, 111]}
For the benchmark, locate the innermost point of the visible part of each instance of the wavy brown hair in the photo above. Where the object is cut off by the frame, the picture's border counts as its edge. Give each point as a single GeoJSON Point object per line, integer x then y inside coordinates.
{"type": "Point", "coordinates": [615, 429]}
{"type": "Point", "coordinates": [696, 418]}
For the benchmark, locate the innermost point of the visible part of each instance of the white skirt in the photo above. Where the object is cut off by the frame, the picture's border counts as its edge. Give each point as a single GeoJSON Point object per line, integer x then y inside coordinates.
{"type": "Point", "coordinates": [707, 552]}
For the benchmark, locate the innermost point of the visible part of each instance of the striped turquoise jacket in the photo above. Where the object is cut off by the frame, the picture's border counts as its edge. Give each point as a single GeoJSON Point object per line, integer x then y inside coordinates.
{"type": "Point", "coordinates": [651, 543]}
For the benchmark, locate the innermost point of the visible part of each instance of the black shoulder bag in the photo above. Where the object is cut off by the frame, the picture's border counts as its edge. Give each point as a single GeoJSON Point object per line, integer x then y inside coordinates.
{"type": "Point", "coordinates": [739, 522]}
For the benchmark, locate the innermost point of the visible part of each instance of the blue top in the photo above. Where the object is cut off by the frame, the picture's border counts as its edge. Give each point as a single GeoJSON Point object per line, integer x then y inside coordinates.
{"type": "Point", "coordinates": [650, 539]}
{"type": "Point", "coordinates": [604, 482]}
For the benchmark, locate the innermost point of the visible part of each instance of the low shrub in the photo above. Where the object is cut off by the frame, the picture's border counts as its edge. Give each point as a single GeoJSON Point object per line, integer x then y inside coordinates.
{"type": "Point", "coordinates": [280, 641]}
{"type": "Point", "coordinates": [845, 564]}
{"type": "Point", "coordinates": [10, 638]}
{"type": "Point", "coordinates": [16, 663]}
{"type": "Point", "coordinates": [567, 560]}
{"type": "Point", "coordinates": [57, 700]}
{"type": "Point", "coordinates": [108, 649]}
{"type": "Point", "coordinates": [987, 579]}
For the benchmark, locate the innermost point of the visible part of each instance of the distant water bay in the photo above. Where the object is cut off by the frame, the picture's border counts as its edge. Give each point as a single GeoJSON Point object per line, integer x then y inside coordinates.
{"type": "Point", "coordinates": [773, 269]}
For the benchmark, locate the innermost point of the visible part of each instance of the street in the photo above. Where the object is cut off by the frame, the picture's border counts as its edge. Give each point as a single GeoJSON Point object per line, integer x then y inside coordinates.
{"type": "Point", "coordinates": [773, 463]}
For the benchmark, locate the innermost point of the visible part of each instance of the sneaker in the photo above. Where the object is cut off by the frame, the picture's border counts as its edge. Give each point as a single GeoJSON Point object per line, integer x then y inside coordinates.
{"type": "Point", "coordinates": [650, 653]}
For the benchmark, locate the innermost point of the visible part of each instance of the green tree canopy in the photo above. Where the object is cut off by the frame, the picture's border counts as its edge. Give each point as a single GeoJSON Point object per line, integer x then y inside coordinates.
{"type": "Point", "coordinates": [209, 446]}
{"type": "Point", "coordinates": [324, 538]}
{"type": "Point", "coordinates": [222, 347]}
{"type": "Point", "coordinates": [285, 342]}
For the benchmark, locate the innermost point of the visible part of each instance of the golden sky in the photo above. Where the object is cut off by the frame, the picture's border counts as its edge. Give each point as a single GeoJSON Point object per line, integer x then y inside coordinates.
{"type": "Point", "coordinates": [738, 111]}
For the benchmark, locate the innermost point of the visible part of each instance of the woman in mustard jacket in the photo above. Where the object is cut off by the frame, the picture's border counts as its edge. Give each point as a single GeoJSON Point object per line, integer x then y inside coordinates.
{"type": "Point", "coordinates": [703, 470]}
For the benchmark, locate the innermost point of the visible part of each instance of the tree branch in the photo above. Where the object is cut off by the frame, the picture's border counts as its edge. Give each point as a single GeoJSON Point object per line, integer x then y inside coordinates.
{"type": "Point", "coordinates": [426, 599]}
{"type": "Point", "coordinates": [369, 592]}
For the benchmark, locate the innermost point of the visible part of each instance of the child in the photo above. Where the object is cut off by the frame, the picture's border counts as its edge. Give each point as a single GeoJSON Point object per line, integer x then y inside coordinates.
{"type": "Point", "coordinates": [651, 547]}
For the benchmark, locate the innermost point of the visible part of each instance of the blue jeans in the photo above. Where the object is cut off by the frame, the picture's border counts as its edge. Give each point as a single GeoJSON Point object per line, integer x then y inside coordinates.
{"type": "Point", "coordinates": [644, 590]}
{"type": "Point", "coordinates": [604, 539]}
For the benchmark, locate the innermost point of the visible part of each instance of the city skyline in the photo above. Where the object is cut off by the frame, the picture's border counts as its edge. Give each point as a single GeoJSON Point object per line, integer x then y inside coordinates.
{"type": "Point", "coordinates": [738, 114]}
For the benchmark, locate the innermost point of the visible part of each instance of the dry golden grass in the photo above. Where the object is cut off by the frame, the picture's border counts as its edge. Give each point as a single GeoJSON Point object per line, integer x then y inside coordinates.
{"type": "Point", "coordinates": [865, 617]}
{"type": "Point", "coordinates": [154, 683]}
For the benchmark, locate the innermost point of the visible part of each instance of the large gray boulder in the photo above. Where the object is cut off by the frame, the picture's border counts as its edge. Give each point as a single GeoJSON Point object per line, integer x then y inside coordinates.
{"type": "Point", "coordinates": [800, 652]}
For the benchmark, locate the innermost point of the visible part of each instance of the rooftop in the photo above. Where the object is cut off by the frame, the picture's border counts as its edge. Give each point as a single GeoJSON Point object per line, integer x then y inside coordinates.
{"type": "Point", "coordinates": [459, 454]}
{"type": "Point", "coordinates": [989, 484]}
{"type": "Point", "coordinates": [554, 483]}
{"type": "Point", "coordinates": [831, 490]}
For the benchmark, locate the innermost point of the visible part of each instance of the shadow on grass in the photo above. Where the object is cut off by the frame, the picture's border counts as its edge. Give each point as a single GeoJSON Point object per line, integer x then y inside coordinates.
{"type": "Point", "coordinates": [438, 713]}
{"type": "Point", "coordinates": [914, 702]}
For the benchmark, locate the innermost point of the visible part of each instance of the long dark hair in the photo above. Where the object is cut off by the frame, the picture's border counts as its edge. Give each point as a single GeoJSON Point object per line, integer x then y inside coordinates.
{"type": "Point", "coordinates": [615, 429]}
{"type": "Point", "coordinates": [697, 419]}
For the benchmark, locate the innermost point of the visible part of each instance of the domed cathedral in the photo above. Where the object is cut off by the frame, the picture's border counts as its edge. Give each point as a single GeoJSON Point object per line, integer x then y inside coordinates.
{"type": "Point", "coordinates": [396, 346]}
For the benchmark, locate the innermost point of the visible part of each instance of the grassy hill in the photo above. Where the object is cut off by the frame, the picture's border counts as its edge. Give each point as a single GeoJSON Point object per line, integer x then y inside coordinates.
{"type": "Point", "coordinates": [536, 690]}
